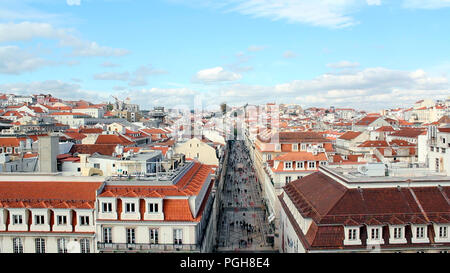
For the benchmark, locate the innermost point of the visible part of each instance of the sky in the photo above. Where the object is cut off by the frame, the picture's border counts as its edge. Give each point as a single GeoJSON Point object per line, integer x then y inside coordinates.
{"type": "Point", "coordinates": [365, 54]}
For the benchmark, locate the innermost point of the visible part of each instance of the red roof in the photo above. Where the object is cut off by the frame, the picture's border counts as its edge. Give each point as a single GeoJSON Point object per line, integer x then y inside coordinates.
{"type": "Point", "coordinates": [113, 139]}
{"type": "Point", "coordinates": [103, 149]}
{"type": "Point", "coordinates": [51, 193]}
{"type": "Point", "coordinates": [350, 135]}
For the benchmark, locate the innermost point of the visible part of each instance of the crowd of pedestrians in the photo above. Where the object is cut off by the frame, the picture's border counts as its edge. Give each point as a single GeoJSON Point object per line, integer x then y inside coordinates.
{"type": "Point", "coordinates": [242, 211]}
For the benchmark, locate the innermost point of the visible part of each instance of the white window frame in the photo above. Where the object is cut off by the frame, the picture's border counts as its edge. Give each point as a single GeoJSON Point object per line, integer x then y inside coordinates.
{"type": "Point", "coordinates": [301, 163]}
{"type": "Point", "coordinates": [17, 219]}
{"type": "Point", "coordinates": [61, 220]}
{"type": "Point", "coordinates": [84, 220]}
{"type": "Point", "coordinates": [17, 245]}
{"type": "Point", "coordinates": [131, 236]}
{"type": "Point", "coordinates": [106, 207]}
{"type": "Point", "coordinates": [39, 244]}
{"type": "Point", "coordinates": [154, 235]}
{"type": "Point", "coordinates": [130, 207]}
{"type": "Point", "coordinates": [85, 245]}
{"type": "Point", "coordinates": [177, 236]}
{"type": "Point", "coordinates": [107, 235]}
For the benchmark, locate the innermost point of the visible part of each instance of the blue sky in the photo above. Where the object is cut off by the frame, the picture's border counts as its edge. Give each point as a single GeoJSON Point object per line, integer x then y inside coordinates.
{"type": "Point", "coordinates": [368, 54]}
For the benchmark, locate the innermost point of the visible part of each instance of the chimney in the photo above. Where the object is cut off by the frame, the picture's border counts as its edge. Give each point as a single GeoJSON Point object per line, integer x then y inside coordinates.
{"type": "Point", "coordinates": [48, 150]}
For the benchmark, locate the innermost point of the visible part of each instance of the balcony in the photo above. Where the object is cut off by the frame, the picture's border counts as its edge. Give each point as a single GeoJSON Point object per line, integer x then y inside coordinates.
{"type": "Point", "coordinates": [123, 247]}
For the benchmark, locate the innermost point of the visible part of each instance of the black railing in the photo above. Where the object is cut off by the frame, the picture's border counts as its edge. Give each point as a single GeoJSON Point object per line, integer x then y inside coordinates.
{"type": "Point", "coordinates": [148, 247]}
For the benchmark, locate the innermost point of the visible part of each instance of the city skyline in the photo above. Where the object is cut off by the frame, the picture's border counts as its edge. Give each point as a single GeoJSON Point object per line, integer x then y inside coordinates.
{"type": "Point", "coordinates": [362, 54]}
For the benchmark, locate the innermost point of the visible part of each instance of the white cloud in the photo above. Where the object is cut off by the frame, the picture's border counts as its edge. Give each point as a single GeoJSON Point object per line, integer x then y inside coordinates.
{"type": "Point", "coordinates": [323, 13]}
{"type": "Point", "coordinates": [73, 2]}
{"type": "Point", "coordinates": [371, 88]}
{"type": "Point", "coordinates": [137, 78]}
{"type": "Point", "coordinates": [216, 75]}
{"type": "Point", "coordinates": [426, 4]}
{"type": "Point", "coordinates": [14, 60]}
{"type": "Point", "coordinates": [24, 31]}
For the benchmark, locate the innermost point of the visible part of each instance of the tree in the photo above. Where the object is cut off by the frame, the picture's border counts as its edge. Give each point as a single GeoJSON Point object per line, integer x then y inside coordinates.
{"type": "Point", "coordinates": [223, 107]}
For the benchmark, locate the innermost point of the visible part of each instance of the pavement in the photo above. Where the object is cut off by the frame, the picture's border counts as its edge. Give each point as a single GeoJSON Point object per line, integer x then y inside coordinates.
{"type": "Point", "coordinates": [243, 225]}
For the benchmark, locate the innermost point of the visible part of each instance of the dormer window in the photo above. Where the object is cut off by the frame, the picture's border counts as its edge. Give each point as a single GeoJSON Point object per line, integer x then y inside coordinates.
{"type": "Point", "coordinates": [17, 219]}
{"type": "Point", "coordinates": [106, 207]}
{"type": "Point", "coordinates": [153, 208]}
{"type": "Point", "coordinates": [352, 234]}
{"type": "Point", "coordinates": [288, 165]}
{"type": "Point", "coordinates": [443, 232]}
{"type": "Point", "coordinates": [84, 220]}
{"type": "Point", "coordinates": [39, 219]}
{"type": "Point", "coordinates": [374, 233]}
{"type": "Point", "coordinates": [130, 208]}
{"type": "Point", "coordinates": [420, 232]}
{"type": "Point", "coordinates": [398, 233]}
{"type": "Point", "coordinates": [61, 220]}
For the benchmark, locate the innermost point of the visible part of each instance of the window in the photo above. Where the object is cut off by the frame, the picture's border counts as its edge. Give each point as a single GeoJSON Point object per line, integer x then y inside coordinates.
{"type": "Point", "coordinates": [107, 235]}
{"type": "Point", "coordinates": [153, 236]}
{"type": "Point", "coordinates": [300, 165]}
{"type": "Point", "coordinates": [295, 147]}
{"type": "Point", "coordinates": [311, 164]}
{"type": "Point", "coordinates": [420, 232]}
{"type": "Point", "coordinates": [269, 157]}
{"type": "Point", "coordinates": [17, 219]}
{"type": "Point", "coordinates": [61, 220]}
{"type": "Point", "coordinates": [375, 234]}
{"type": "Point", "coordinates": [432, 148]}
{"type": "Point", "coordinates": [352, 234]}
{"type": "Point", "coordinates": [288, 179]}
{"type": "Point", "coordinates": [443, 140]}
{"type": "Point", "coordinates": [398, 233]}
{"type": "Point", "coordinates": [78, 169]}
{"type": "Point", "coordinates": [437, 149]}
{"type": "Point", "coordinates": [62, 247]}
{"type": "Point", "coordinates": [84, 220]}
{"type": "Point", "coordinates": [85, 248]}
{"type": "Point", "coordinates": [323, 163]}
{"type": "Point", "coordinates": [178, 236]}
{"type": "Point", "coordinates": [442, 232]}
{"type": "Point", "coordinates": [39, 219]}
{"type": "Point", "coordinates": [303, 147]}
{"type": "Point", "coordinates": [443, 150]}
{"type": "Point", "coordinates": [288, 165]}
{"type": "Point", "coordinates": [299, 177]}
{"type": "Point", "coordinates": [131, 237]}
{"type": "Point", "coordinates": [130, 207]}
{"type": "Point", "coordinates": [40, 245]}
{"type": "Point", "coordinates": [106, 207]}
{"type": "Point", "coordinates": [96, 165]}
{"type": "Point", "coordinates": [17, 245]}
{"type": "Point", "coordinates": [153, 207]}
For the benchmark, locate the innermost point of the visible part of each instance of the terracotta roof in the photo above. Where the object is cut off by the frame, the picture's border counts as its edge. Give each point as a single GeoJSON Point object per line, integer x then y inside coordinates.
{"type": "Point", "coordinates": [350, 135]}
{"type": "Point", "coordinates": [113, 139]}
{"type": "Point", "coordinates": [411, 133]}
{"type": "Point", "coordinates": [32, 194]}
{"type": "Point", "coordinates": [301, 156]}
{"type": "Point", "coordinates": [367, 120]}
{"type": "Point", "coordinates": [103, 149]}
